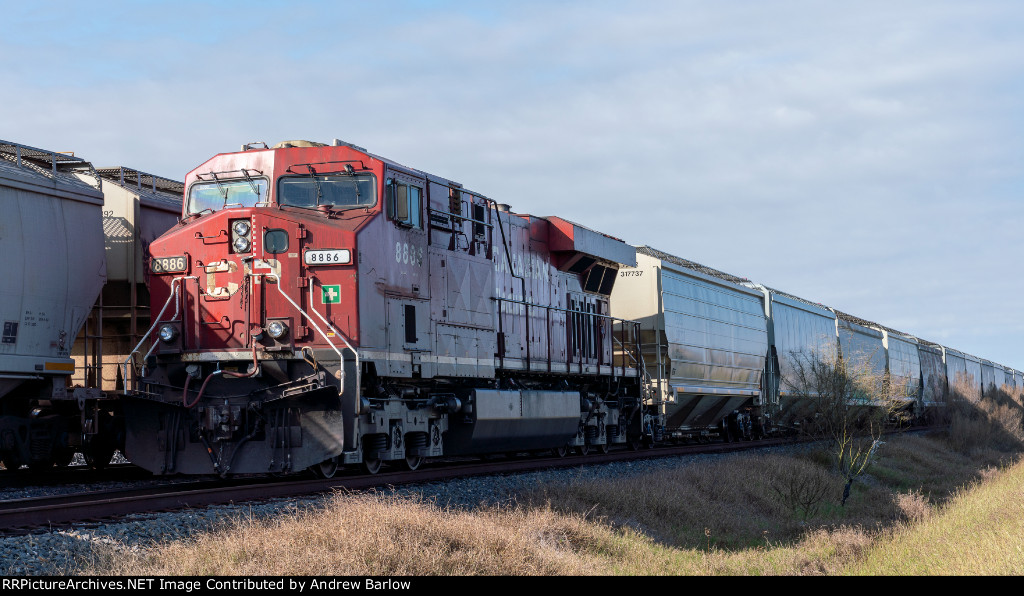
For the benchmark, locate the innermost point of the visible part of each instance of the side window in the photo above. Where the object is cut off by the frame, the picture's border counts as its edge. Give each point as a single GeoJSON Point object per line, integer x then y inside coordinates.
{"type": "Point", "coordinates": [275, 241]}
{"type": "Point", "coordinates": [405, 204]}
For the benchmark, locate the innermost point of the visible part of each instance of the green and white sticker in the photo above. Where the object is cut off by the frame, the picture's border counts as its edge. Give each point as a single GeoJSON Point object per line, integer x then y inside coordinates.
{"type": "Point", "coordinates": [330, 294]}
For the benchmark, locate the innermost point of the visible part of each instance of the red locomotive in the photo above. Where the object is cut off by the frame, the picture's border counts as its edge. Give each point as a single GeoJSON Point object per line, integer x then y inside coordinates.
{"type": "Point", "coordinates": [320, 305]}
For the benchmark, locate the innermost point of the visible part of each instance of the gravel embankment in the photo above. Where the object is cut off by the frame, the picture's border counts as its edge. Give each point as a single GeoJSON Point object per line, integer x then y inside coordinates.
{"type": "Point", "coordinates": [63, 552]}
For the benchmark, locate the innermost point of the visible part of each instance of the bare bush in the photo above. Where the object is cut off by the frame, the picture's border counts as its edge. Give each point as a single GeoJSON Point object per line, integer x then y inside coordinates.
{"type": "Point", "coordinates": [914, 505]}
{"type": "Point", "coordinates": [802, 493]}
{"type": "Point", "coordinates": [852, 405]}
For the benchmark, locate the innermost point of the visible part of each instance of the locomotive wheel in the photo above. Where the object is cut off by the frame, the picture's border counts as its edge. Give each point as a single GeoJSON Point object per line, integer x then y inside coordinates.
{"type": "Point", "coordinates": [413, 462]}
{"type": "Point", "coordinates": [327, 468]}
{"type": "Point", "coordinates": [372, 466]}
{"type": "Point", "coordinates": [562, 451]}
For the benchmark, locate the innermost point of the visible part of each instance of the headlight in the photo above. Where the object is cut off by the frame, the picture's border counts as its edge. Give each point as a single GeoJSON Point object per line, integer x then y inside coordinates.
{"type": "Point", "coordinates": [241, 244]}
{"type": "Point", "coordinates": [277, 329]}
{"type": "Point", "coordinates": [168, 333]}
{"type": "Point", "coordinates": [241, 227]}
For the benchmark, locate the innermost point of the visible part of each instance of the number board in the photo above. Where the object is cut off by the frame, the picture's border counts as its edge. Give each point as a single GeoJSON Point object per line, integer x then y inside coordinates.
{"type": "Point", "coordinates": [334, 256]}
{"type": "Point", "coordinates": [168, 264]}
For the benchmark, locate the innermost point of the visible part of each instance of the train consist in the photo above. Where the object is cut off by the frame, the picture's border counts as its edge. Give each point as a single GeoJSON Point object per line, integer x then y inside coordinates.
{"type": "Point", "coordinates": [317, 305]}
{"type": "Point", "coordinates": [724, 352]}
{"type": "Point", "coordinates": [75, 244]}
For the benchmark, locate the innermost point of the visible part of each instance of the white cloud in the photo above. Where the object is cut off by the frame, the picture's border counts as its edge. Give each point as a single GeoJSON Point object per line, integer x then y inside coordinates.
{"type": "Point", "coordinates": [867, 157]}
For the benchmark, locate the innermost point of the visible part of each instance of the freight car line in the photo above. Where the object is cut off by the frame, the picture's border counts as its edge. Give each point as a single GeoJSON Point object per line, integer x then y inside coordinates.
{"type": "Point", "coordinates": [21, 516]}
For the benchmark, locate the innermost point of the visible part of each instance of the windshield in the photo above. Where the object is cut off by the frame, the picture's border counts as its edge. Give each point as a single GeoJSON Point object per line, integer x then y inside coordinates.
{"type": "Point", "coordinates": [217, 195]}
{"type": "Point", "coordinates": [340, 191]}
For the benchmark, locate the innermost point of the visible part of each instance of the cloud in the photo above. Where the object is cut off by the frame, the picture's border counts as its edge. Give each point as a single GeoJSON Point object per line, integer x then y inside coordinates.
{"type": "Point", "coordinates": [866, 156]}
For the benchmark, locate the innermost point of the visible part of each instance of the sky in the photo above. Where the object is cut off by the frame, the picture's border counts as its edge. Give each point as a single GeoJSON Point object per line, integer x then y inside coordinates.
{"type": "Point", "coordinates": [867, 156]}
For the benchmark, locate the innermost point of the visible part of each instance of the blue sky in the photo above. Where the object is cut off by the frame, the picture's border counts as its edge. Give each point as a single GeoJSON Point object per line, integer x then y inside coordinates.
{"type": "Point", "coordinates": [864, 155]}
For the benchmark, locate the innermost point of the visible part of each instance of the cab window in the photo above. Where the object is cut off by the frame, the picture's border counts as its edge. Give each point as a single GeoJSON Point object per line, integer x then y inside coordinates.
{"type": "Point", "coordinates": [405, 204]}
{"type": "Point", "coordinates": [338, 191]}
{"type": "Point", "coordinates": [221, 194]}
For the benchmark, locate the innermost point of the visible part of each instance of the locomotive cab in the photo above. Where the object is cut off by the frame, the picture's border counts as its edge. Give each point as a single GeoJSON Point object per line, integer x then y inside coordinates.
{"type": "Point", "coordinates": [252, 350]}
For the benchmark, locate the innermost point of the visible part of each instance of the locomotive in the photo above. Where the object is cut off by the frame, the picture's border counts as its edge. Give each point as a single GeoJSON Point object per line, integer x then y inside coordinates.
{"type": "Point", "coordinates": [319, 305]}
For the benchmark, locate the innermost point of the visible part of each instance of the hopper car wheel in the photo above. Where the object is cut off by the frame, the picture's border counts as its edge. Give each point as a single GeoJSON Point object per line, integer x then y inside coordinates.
{"type": "Point", "coordinates": [635, 443]}
{"type": "Point", "coordinates": [372, 466]}
{"type": "Point", "coordinates": [583, 449]}
{"type": "Point", "coordinates": [41, 465]}
{"type": "Point", "coordinates": [603, 448]}
{"type": "Point", "coordinates": [413, 462]}
{"type": "Point", "coordinates": [562, 451]}
{"type": "Point", "coordinates": [98, 456]}
{"type": "Point", "coordinates": [64, 457]}
{"type": "Point", "coordinates": [327, 468]}
{"type": "Point", "coordinates": [11, 462]}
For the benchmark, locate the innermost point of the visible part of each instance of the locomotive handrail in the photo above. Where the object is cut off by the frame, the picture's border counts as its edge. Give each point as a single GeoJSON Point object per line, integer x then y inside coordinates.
{"type": "Point", "coordinates": [463, 217]}
{"type": "Point", "coordinates": [156, 321]}
{"type": "Point", "coordinates": [214, 174]}
{"type": "Point", "coordinates": [199, 235]}
{"type": "Point", "coordinates": [341, 359]}
{"type": "Point", "coordinates": [550, 308]}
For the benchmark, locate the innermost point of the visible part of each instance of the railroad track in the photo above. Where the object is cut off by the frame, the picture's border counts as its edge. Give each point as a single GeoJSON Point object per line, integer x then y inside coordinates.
{"type": "Point", "coordinates": [76, 474]}
{"type": "Point", "coordinates": [22, 516]}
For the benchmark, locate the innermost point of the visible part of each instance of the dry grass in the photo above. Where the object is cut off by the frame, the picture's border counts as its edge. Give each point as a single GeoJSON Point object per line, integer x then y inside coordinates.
{"type": "Point", "coordinates": [995, 421]}
{"type": "Point", "coordinates": [768, 514]}
{"type": "Point", "coordinates": [729, 503]}
{"type": "Point", "coordinates": [369, 534]}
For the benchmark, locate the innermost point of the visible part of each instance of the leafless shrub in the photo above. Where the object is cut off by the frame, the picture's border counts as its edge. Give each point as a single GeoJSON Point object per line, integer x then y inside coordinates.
{"type": "Point", "coordinates": [801, 492]}
{"type": "Point", "coordinates": [852, 405]}
{"type": "Point", "coordinates": [914, 505]}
